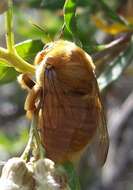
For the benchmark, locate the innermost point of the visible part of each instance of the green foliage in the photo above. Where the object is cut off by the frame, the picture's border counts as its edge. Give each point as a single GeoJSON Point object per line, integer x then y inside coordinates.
{"type": "Point", "coordinates": [51, 4]}
{"type": "Point", "coordinates": [70, 19]}
{"type": "Point", "coordinates": [27, 50]}
{"type": "Point", "coordinates": [111, 13]}
{"type": "Point", "coordinates": [48, 21]}
{"type": "Point", "coordinates": [73, 179]}
{"type": "Point", "coordinates": [7, 74]}
{"type": "Point", "coordinates": [69, 16]}
{"type": "Point", "coordinates": [13, 145]}
{"type": "Point", "coordinates": [114, 70]}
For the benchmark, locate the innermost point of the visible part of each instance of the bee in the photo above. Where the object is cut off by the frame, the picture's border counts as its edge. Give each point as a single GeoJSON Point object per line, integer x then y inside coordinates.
{"type": "Point", "coordinates": [66, 100]}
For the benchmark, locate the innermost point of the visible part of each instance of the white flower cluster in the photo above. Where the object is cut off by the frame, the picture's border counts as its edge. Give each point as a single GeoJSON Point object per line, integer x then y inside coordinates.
{"type": "Point", "coordinates": [16, 176]}
{"type": "Point", "coordinates": [40, 175]}
{"type": "Point", "coordinates": [44, 175]}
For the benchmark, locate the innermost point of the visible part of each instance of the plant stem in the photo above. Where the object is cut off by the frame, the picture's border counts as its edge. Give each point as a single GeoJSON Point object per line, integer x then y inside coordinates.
{"type": "Point", "coordinates": [114, 70]}
{"type": "Point", "coordinates": [16, 61]}
{"type": "Point", "coordinates": [38, 141]}
{"type": "Point", "coordinates": [10, 55]}
{"type": "Point", "coordinates": [33, 135]}
{"type": "Point", "coordinates": [9, 28]}
{"type": "Point", "coordinates": [29, 144]}
{"type": "Point", "coordinates": [106, 49]}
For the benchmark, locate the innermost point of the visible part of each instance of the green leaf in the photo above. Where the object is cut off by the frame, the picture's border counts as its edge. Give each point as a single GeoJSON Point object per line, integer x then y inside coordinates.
{"type": "Point", "coordinates": [111, 13]}
{"type": "Point", "coordinates": [114, 70]}
{"type": "Point", "coordinates": [3, 63]}
{"type": "Point", "coordinates": [29, 48]}
{"type": "Point", "coordinates": [73, 179]}
{"type": "Point", "coordinates": [7, 74]}
{"type": "Point", "coordinates": [70, 19]}
{"type": "Point", "coordinates": [69, 15]}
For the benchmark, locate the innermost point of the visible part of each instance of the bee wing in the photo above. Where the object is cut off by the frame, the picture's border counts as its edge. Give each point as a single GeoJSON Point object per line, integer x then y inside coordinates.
{"type": "Point", "coordinates": [54, 99]}
{"type": "Point", "coordinates": [59, 114]}
{"type": "Point", "coordinates": [56, 115]}
{"type": "Point", "coordinates": [100, 142]}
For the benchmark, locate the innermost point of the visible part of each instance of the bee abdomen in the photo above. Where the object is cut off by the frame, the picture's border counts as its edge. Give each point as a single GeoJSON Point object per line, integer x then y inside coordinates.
{"type": "Point", "coordinates": [66, 132]}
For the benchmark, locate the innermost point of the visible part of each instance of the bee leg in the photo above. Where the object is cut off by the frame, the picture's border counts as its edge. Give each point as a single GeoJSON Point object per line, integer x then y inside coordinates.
{"type": "Point", "coordinates": [26, 82]}
{"type": "Point", "coordinates": [31, 103]}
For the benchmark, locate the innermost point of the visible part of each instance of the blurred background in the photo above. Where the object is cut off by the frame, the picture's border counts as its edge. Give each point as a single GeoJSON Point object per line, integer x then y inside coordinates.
{"type": "Point", "coordinates": [117, 173]}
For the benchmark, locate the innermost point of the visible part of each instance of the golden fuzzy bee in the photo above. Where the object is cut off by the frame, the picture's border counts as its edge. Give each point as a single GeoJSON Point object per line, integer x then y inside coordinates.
{"type": "Point", "coordinates": [65, 97]}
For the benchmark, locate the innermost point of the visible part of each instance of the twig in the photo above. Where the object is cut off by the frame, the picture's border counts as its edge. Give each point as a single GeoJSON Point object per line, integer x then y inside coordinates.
{"type": "Point", "coordinates": [33, 135]}
{"type": "Point", "coordinates": [112, 46]}
{"type": "Point", "coordinates": [37, 138]}
{"type": "Point", "coordinates": [16, 61]}
{"type": "Point", "coordinates": [30, 143]}
{"type": "Point", "coordinates": [9, 28]}
{"type": "Point", "coordinates": [10, 54]}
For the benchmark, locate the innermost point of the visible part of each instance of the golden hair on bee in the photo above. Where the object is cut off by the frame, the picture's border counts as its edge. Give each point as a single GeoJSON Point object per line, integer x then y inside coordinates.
{"type": "Point", "coordinates": [67, 103]}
